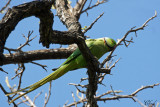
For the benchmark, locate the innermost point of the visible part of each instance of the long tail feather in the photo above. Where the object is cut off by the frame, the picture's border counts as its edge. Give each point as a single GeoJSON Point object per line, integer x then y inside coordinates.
{"type": "Point", "coordinates": [56, 74]}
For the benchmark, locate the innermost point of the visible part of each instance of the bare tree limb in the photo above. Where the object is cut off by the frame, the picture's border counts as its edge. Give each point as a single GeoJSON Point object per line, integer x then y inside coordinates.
{"type": "Point", "coordinates": [107, 93]}
{"type": "Point", "coordinates": [73, 35]}
{"type": "Point", "coordinates": [16, 14]}
{"type": "Point", "coordinates": [29, 56]}
{"type": "Point", "coordinates": [66, 17]}
{"type": "Point", "coordinates": [78, 8]}
{"type": "Point", "coordinates": [144, 87]}
{"type": "Point", "coordinates": [123, 39]}
{"type": "Point", "coordinates": [110, 56]}
{"type": "Point", "coordinates": [115, 96]}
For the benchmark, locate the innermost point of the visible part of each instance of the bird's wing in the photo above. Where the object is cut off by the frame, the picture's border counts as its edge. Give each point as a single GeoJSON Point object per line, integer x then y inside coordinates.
{"type": "Point", "coordinates": [77, 52]}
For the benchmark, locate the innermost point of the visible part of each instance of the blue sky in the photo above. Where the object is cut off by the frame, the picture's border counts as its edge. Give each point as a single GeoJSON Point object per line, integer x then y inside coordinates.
{"type": "Point", "coordinates": [139, 64]}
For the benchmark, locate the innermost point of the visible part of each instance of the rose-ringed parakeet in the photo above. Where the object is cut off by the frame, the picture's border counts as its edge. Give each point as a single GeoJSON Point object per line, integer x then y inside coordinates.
{"type": "Point", "coordinates": [98, 48]}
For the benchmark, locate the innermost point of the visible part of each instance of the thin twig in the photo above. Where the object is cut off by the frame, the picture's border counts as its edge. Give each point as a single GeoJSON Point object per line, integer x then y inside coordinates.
{"type": "Point", "coordinates": [80, 97]}
{"type": "Point", "coordinates": [27, 40]}
{"type": "Point", "coordinates": [142, 105]}
{"type": "Point", "coordinates": [113, 90]}
{"type": "Point", "coordinates": [108, 92]}
{"type": "Point", "coordinates": [25, 102]}
{"type": "Point", "coordinates": [74, 99]}
{"type": "Point", "coordinates": [10, 49]}
{"type": "Point", "coordinates": [49, 94]}
{"type": "Point", "coordinates": [37, 96]}
{"type": "Point", "coordinates": [1, 69]}
{"type": "Point", "coordinates": [20, 77]}
{"type": "Point", "coordinates": [83, 79]}
{"type": "Point", "coordinates": [83, 86]}
{"type": "Point", "coordinates": [124, 37]}
{"type": "Point", "coordinates": [97, 4]}
{"type": "Point", "coordinates": [115, 97]}
{"type": "Point", "coordinates": [5, 6]}
{"type": "Point", "coordinates": [80, 90]}
{"type": "Point", "coordinates": [88, 28]}
{"type": "Point", "coordinates": [101, 77]}
{"type": "Point", "coordinates": [21, 46]}
{"type": "Point", "coordinates": [43, 66]}
{"type": "Point", "coordinates": [27, 99]}
{"type": "Point", "coordinates": [144, 87]}
{"type": "Point", "coordinates": [5, 92]}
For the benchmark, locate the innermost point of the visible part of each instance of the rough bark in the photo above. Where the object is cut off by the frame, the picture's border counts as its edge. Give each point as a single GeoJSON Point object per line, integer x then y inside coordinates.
{"type": "Point", "coordinates": [73, 25]}
{"type": "Point", "coordinates": [25, 57]}
{"type": "Point", "coordinates": [15, 14]}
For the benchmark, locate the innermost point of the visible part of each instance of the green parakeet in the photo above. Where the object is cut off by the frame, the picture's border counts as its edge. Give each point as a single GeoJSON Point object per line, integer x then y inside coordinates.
{"type": "Point", "coordinates": [98, 48]}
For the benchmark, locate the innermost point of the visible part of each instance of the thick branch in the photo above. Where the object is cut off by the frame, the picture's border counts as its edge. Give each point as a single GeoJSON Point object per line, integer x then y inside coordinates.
{"type": "Point", "coordinates": [78, 8]}
{"type": "Point", "coordinates": [25, 57]}
{"type": "Point", "coordinates": [42, 11]}
{"type": "Point", "coordinates": [74, 26]}
{"type": "Point", "coordinates": [63, 37]}
{"type": "Point", "coordinates": [16, 14]}
{"type": "Point", "coordinates": [47, 35]}
{"type": "Point", "coordinates": [66, 16]}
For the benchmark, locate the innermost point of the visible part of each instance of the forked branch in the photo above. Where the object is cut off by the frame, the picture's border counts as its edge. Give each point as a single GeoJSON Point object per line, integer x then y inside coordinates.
{"type": "Point", "coordinates": [123, 39]}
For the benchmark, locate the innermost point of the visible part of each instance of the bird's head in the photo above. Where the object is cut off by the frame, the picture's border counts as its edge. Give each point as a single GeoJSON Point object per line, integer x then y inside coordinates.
{"type": "Point", "coordinates": [111, 43]}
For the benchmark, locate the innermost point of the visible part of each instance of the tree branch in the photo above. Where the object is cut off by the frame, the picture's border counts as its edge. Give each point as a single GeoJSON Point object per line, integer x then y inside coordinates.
{"type": "Point", "coordinates": [74, 26]}
{"type": "Point", "coordinates": [16, 14]}
{"type": "Point", "coordinates": [66, 16]}
{"type": "Point", "coordinates": [25, 57]}
{"type": "Point", "coordinates": [78, 8]}
{"type": "Point", "coordinates": [123, 39]}
{"type": "Point", "coordinates": [115, 96]}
